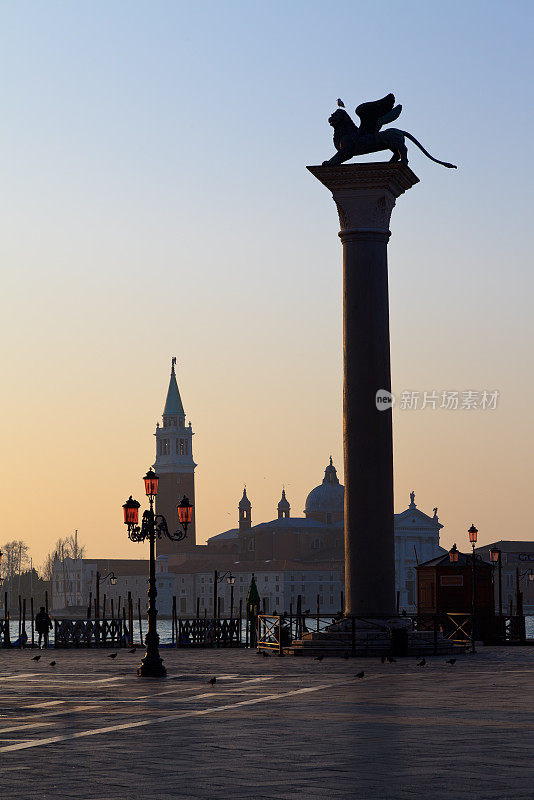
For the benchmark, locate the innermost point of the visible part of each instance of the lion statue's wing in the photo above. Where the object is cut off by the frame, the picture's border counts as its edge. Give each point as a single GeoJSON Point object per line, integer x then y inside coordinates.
{"type": "Point", "coordinates": [371, 113]}
{"type": "Point", "coordinates": [391, 116]}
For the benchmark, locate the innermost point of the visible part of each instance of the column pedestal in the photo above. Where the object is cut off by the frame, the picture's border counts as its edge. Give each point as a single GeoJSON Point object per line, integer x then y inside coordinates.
{"type": "Point", "coordinates": [365, 195]}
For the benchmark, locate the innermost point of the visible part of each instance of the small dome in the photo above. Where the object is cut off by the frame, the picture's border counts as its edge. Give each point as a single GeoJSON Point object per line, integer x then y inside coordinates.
{"type": "Point", "coordinates": [283, 505]}
{"type": "Point", "coordinates": [244, 502]}
{"type": "Point", "coordinates": [329, 496]}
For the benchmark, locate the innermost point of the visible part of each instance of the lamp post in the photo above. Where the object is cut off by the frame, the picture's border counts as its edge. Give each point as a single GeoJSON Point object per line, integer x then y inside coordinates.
{"type": "Point", "coordinates": [230, 580]}
{"type": "Point", "coordinates": [495, 555]}
{"type": "Point", "coordinates": [473, 535]}
{"type": "Point", "coordinates": [453, 554]}
{"type": "Point", "coordinates": [152, 526]}
{"type": "Point", "coordinates": [112, 579]}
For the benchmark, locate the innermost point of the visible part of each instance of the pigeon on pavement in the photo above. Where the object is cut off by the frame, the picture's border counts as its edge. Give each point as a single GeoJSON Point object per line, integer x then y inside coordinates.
{"type": "Point", "coordinates": [36, 658]}
{"type": "Point", "coordinates": [213, 681]}
{"type": "Point", "coordinates": [113, 655]}
{"type": "Point", "coordinates": [360, 674]}
{"type": "Point", "coordinates": [421, 663]}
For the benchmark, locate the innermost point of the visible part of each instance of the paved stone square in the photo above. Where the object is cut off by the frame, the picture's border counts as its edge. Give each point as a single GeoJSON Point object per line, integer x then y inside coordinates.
{"type": "Point", "coordinates": [90, 729]}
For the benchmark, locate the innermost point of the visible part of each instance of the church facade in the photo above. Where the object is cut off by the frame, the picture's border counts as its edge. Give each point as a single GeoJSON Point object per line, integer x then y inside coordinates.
{"type": "Point", "coordinates": [290, 555]}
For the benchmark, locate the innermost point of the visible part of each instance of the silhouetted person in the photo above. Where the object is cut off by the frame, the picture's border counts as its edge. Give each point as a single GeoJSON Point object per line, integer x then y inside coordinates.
{"type": "Point", "coordinates": [43, 625]}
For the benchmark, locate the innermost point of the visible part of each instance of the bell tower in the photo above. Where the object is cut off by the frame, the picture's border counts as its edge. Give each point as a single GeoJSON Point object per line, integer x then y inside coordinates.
{"type": "Point", "coordinates": [245, 508]}
{"type": "Point", "coordinates": [176, 469]}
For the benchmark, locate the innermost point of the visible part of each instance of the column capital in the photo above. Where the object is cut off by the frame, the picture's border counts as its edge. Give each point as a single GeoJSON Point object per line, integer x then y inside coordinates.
{"type": "Point", "coordinates": [365, 194]}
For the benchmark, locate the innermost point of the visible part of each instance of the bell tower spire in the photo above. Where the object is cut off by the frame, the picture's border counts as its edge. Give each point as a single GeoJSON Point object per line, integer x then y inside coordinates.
{"type": "Point", "coordinates": [175, 467]}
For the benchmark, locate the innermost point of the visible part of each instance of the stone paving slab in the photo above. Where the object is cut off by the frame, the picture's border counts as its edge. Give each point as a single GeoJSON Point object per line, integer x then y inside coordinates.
{"type": "Point", "coordinates": [90, 729]}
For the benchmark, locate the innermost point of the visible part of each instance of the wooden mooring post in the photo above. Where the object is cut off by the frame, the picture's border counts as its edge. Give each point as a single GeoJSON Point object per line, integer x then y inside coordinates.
{"type": "Point", "coordinates": [140, 625]}
{"type": "Point", "coordinates": [174, 636]}
{"type": "Point", "coordinates": [33, 621]}
{"type": "Point", "coordinates": [130, 619]}
{"type": "Point", "coordinates": [23, 621]}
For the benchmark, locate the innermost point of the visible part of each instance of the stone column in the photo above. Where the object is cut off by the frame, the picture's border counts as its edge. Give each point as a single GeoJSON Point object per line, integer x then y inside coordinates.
{"type": "Point", "coordinates": [365, 195]}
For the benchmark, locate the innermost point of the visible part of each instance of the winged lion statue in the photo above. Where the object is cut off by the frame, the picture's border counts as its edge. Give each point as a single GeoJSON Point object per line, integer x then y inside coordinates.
{"type": "Point", "coordinates": [351, 140]}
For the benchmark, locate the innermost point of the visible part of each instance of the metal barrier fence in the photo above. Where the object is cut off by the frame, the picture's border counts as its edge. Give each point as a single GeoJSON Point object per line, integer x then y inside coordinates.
{"type": "Point", "coordinates": [208, 632]}
{"type": "Point", "coordinates": [455, 627]}
{"type": "Point", "coordinates": [90, 633]}
{"type": "Point", "coordinates": [458, 628]}
{"type": "Point", "coordinates": [270, 633]}
{"type": "Point", "coordinates": [276, 631]}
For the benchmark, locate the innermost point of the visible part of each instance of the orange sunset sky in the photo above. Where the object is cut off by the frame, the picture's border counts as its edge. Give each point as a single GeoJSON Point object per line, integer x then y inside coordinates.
{"type": "Point", "coordinates": [155, 203]}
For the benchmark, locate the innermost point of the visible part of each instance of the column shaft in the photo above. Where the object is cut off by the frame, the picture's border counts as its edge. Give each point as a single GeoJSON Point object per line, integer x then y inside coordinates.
{"type": "Point", "coordinates": [365, 195]}
{"type": "Point", "coordinates": [368, 444]}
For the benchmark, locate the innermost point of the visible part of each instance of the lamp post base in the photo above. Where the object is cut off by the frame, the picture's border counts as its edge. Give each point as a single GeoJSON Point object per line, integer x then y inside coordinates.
{"type": "Point", "coordinates": [151, 667]}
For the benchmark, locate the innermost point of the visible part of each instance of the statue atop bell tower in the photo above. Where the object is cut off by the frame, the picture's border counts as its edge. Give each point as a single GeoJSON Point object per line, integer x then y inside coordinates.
{"type": "Point", "coordinates": [175, 466]}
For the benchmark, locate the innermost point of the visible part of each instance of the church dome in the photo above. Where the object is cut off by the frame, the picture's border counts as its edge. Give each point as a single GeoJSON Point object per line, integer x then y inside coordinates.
{"type": "Point", "coordinates": [328, 498]}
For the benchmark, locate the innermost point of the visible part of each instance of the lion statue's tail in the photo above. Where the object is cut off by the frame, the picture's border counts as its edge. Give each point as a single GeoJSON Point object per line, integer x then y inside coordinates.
{"type": "Point", "coordinates": [420, 146]}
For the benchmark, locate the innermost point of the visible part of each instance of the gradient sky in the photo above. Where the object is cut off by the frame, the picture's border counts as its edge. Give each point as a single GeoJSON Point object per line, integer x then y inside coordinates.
{"type": "Point", "coordinates": [155, 202]}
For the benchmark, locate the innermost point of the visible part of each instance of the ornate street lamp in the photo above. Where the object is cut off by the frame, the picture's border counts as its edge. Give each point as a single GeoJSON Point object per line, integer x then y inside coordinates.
{"type": "Point", "coordinates": [152, 526]}
{"type": "Point", "coordinates": [496, 558]}
{"type": "Point", "coordinates": [473, 535]}
{"type": "Point", "coordinates": [453, 554]}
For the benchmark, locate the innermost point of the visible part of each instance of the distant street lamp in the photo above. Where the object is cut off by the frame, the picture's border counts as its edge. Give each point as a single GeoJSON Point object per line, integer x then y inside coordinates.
{"type": "Point", "coordinates": [152, 526]}
{"type": "Point", "coordinates": [112, 579]}
{"type": "Point", "coordinates": [453, 554]}
{"type": "Point", "coordinates": [495, 555]}
{"type": "Point", "coordinates": [230, 580]}
{"type": "Point", "coordinates": [473, 535]}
